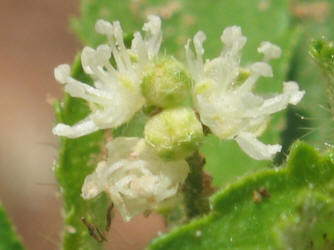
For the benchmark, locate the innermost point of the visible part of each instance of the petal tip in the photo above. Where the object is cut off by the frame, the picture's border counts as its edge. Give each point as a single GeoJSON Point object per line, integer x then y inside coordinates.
{"type": "Point", "coordinates": [62, 73]}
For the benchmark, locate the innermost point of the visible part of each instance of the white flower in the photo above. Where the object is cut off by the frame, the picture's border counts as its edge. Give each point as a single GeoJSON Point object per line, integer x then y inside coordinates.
{"type": "Point", "coordinates": [223, 92]}
{"type": "Point", "coordinates": [116, 95]}
{"type": "Point", "coordinates": [134, 177]}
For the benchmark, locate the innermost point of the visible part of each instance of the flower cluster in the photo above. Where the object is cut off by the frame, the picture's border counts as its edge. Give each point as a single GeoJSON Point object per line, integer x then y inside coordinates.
{"type": "Point", "coordinates": [142, 173]}
{"type": "Point", "coordinates": [223, 92]}
{"type": "Point", "coordinates": [116, 95]}
{"type": "Point", "coordinates": [135, 178]}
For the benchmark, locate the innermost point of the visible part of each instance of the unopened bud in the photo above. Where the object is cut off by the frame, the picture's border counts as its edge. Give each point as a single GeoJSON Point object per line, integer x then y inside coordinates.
{"type": "Point", "coordinates": [174, 133]}
{"type": "Point", "coordinates": [165, 83]}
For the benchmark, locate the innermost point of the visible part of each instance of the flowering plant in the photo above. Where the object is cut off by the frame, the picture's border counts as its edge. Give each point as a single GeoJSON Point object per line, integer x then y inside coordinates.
{"type": "Point", "coordinates": [141, 173]}
{"type": "Point", "coordinates": [167, 117]}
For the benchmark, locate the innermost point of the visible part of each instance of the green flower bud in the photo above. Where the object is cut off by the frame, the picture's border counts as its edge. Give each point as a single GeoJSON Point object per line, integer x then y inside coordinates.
{"type": "Point", "coordinates": [165, 83]}
{"type": "Point", "coordinates": [174, 133]}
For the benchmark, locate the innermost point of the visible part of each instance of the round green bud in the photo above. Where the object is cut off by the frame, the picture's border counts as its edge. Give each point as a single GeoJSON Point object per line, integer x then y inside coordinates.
{"type": "Point", "coordinates": [166, 83]}
{"type": "Point", "coordinates": [174, 133]}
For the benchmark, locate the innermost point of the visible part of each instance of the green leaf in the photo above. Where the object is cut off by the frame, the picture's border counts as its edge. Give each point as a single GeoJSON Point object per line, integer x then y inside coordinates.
{"type": "Point", "coordinates": [77, 159]}
{"type": "Point", "coordinates": [260, 20]}
{"type": "Point", "coordinates": [8, 238]}
{"type": "Point", "coordinates": [309, 225]}
{"type": "Point", "coordinates": [252, 213]}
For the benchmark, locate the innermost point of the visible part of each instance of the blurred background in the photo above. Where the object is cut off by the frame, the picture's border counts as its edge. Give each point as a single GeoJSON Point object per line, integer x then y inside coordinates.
{"type": "Point", "coordinates": [34, 38]}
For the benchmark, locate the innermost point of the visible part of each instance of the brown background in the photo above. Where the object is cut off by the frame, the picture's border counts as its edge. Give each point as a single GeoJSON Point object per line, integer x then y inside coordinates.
{"type": "Point", "coordinates": [34, 38]}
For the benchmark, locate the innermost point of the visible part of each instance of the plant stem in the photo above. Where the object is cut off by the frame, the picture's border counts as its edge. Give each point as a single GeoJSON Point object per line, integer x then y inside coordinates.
{"type": "Point", "coordinates": [197, 187]}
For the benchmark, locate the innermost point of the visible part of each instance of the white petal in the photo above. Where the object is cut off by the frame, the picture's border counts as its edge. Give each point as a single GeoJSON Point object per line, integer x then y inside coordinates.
{"type": "Point", "coordinates": [255, 148]}
{"type": "Point", "coordinates": [154, 39]}
{"type": "Point", "coordinates": [109, 117]}
{"type": "Point", "coordinates": [292, 90]}
{"type": "Point", "coordinates": [118, 33]}
{"type": "Point", "coordinates": [199, 39]}
{"type": "Point", "coordinates": [232, 37]}
{"type": "Point", "coordinates": [88, 60]}
{"type": "Point", "coordinates": [62, 73]}
{"type": "Point", "coordinates": [191, 61]}
{"type": "Point", "coordinates": [90, 94]}
{"type": "Point", "coordinates": [122, 147]}
{"type": "Point", "coordinates": [153, 25]}
{"type": "Point", "coordinates": [118, 113]}
{"type": "Point", "coordinates": [195, 62]}
{"type": "Point", "coordinates": [269, 51]}
{"type": "Point", "coordinates": [291, 94]}
{"type": "Point", "coordinates": [273, 105]}
{"type": "Point", "coordinates": [262, 69]}
{"type": "Point", "coordinates": [92, 185]}
{"type": "Point", "coordinates": [137, 42]}
{"type": "Point", "coordinates": [93, 63]}
{"type": "Point", "coordinates": [103, 27]}
{"type": "Point", "coordinates": [103, 53]}
{"type": "Point", "coordinates": [252, 101]}
{"type": "Point", "coordinates": [81, 128]}
{"type": "Point", "coordinates": [258, 69]}
{"type": "Point", "coordinates": [138, 47]}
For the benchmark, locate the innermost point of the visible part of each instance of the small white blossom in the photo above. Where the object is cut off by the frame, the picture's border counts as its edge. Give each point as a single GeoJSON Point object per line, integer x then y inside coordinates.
{"type": "Point", "coordinates": [116, 95]}
{"type": "Point", "coordinates": [223, 92]}
{"type": "Point", "coordinates": [134, 177]}
{"type": "Point", "coordinates": [269, 51]}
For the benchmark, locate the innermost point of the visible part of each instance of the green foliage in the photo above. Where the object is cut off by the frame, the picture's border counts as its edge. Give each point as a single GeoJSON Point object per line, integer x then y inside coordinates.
{"type": "Point", "coordinates": [314, 106]}
{"type": "Point", "coordinates": [259, 211]}
{"type": "Point", "coordinates": [323, 53]}
{"type": "Point", "coordinates": [260, 21]}
{"type": "Point", "coordinates": [308, 226]}
{"type": "Point", "coordinates": [8, 238]}
{"type": "Point", "coordinates": [77, 159]}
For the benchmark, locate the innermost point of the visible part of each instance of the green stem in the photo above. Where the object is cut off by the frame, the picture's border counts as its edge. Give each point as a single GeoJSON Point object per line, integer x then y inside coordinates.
{"type": "Point", "coordinates": [197, 187]}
